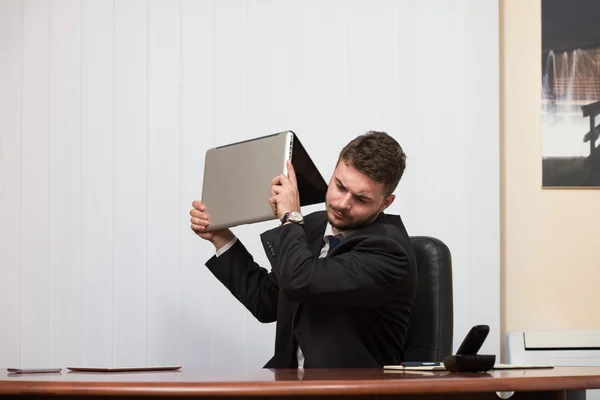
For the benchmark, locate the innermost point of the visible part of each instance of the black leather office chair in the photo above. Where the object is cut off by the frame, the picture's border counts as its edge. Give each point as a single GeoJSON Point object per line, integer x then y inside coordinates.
{"type": "Point", "coordinates": [431, 326]}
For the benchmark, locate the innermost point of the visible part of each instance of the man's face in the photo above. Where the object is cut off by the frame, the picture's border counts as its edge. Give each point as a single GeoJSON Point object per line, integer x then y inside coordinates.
{"type": "Point", "coordinates": [353, 199]}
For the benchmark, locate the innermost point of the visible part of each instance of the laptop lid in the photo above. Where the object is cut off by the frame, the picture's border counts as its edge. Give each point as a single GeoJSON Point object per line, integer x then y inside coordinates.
{"type": "Point", "coordinates": [237, 178]}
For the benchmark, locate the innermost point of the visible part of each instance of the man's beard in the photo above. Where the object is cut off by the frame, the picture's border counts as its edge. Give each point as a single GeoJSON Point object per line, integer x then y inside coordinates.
{"type": "Point", "coordinates": [351, 224]}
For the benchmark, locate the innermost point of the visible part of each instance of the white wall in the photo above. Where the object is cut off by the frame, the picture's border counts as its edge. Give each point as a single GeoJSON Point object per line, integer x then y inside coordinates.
{"type": "Point", "coordinates": [107, 108]}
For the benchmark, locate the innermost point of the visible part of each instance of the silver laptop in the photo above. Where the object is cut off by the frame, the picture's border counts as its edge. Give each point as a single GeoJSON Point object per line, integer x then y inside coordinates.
{"type": "Point", "coordinates": [237, 178]}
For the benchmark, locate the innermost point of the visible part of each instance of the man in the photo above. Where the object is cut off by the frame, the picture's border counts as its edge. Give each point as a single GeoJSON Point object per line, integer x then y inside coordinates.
{"type": "Point", "coordinates": [336, 305]}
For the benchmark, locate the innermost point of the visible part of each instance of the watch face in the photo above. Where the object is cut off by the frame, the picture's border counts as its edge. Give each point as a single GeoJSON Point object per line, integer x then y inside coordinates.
{"type": "Point", "coordinates": [295, 216]}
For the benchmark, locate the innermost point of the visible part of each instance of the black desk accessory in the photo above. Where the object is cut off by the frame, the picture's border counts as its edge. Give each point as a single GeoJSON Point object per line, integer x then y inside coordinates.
{"type": "Point", "coordinates": [466, 358]}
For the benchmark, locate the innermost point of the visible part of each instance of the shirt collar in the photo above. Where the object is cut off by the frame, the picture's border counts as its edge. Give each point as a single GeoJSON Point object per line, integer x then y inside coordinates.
{"type": "Point", "coordinates": [329, 232]}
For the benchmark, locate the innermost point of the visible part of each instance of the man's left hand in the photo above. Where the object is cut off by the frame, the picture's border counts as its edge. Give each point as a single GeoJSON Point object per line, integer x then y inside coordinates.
{"type": "Point", "coordinates": [284, 193]}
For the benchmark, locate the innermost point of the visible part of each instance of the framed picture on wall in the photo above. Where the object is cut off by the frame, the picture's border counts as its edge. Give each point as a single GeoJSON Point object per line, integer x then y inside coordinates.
{"type": "Point", "coordinates": [570, 107]}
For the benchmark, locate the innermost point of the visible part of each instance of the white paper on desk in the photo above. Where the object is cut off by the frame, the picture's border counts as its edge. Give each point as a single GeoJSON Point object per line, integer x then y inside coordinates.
{"type": "Point", "coordinates": [517, 366]}
{"type": "Point", "coordinates": [442, 368]}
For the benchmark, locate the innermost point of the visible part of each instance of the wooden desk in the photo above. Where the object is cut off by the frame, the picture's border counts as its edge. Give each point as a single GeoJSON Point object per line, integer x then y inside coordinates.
{"type": "Point", "coordinates": [314, 384]}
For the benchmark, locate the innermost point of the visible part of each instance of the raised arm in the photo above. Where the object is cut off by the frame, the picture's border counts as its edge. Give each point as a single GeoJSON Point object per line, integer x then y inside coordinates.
{"type": "Point", "coordinates": [254, 286]}
{"type": "Point", "coordinates": [234, 266]}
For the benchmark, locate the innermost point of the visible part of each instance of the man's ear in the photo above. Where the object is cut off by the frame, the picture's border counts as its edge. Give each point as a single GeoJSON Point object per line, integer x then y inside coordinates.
{"type": "Point", "coordinates": [387, 202]}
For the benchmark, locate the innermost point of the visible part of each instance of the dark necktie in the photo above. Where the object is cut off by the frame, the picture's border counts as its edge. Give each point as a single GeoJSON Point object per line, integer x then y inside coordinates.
{"type": "Point", "coordinates": [333, 241]}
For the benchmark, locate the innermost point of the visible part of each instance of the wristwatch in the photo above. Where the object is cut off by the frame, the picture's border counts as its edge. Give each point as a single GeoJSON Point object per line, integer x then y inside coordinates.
{"type": "Point", "coordinates": [293, 216]}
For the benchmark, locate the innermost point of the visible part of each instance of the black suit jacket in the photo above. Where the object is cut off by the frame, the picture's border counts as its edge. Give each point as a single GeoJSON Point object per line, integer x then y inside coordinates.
{"type": "Point", "coordinates": [349, 309]}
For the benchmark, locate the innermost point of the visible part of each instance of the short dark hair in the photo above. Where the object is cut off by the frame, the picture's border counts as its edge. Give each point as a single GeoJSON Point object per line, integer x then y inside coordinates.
{"type": "Point", "coordinates": [377, 155]}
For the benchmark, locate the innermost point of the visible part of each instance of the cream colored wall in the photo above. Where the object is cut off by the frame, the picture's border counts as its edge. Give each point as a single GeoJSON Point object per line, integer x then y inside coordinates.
{"type": "Point", "coordinates": [549, 238]}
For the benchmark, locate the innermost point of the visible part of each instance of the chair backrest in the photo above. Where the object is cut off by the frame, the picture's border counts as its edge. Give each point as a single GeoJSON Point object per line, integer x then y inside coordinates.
{"type": "Point", "coordinates": [432, 322]}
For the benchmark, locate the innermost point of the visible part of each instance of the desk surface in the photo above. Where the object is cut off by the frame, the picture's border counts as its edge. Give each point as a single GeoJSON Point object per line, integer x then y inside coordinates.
{"type": "Point", "coordinates": [265, 382]}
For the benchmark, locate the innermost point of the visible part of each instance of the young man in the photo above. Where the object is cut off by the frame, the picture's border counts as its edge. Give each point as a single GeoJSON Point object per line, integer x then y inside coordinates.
{"type": "Point", "coordinates": [336, 305]}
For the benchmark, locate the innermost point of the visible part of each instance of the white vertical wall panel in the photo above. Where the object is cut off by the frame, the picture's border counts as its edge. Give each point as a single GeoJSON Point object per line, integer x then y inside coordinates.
{"type": "Point", "coordinates": [482, 155]}
{"type": "Point", "coordinates": [108, 108]}
{"type": "Point", "coordinates": [164, 179]}
{"type": "Point", "coordinates": [65, 182]}
{"type": "Point", "coordinates": [35, 184]}
{"type": "Point", "coordinates": [130, 182]}
{"type": "Point", "coordinates": [197, 135]}
{"type": "Point", "coordinates": [97, 181]}
{"type": "Point", "coordinates": [11, 37]}
{"type": "Point", "coordinates": [362, 60]}
{"type": "Point", "coordinates": [327, 75]}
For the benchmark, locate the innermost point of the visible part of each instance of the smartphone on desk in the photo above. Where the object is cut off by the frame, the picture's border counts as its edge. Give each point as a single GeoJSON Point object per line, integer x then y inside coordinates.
{"type": "Point", "coordinates": [421, 363]}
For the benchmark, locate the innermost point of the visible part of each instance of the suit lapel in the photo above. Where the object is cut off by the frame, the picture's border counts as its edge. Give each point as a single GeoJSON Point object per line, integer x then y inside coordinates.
{"type": "Point", "coordinates": [316, 245]}
{"type": "Point", "coordinates": [315, 236]}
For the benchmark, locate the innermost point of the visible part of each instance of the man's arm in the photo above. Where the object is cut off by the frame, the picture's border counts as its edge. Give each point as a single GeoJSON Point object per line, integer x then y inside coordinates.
{"type": "Point", "coordinates": [233, 265]}
{"type": "Point", "coordinates": [252, 285]}
{"type": "Point", "coordinates": [371, 274]}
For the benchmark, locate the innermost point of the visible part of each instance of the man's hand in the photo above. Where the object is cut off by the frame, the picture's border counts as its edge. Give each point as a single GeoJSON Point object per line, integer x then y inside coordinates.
{"type": "Point", "coordinates": [200, 221]}
{"type": "Point", "coordinates": [284, 193]}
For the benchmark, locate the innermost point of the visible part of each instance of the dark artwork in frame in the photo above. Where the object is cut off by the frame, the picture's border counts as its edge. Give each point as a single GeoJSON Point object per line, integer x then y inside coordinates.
{"type": "Point", "coordinates": [570, 108]}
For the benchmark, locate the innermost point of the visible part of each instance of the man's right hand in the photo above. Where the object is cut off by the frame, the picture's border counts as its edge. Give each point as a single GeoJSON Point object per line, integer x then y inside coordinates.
{"type": "Point", "coordinates": [200, 220]}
